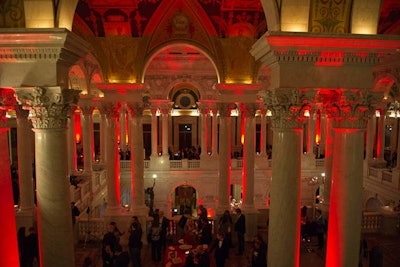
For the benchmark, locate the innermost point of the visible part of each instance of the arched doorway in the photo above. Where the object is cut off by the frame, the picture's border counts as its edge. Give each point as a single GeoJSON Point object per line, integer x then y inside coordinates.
{"type": "Point", "coordinates": [184, 200]}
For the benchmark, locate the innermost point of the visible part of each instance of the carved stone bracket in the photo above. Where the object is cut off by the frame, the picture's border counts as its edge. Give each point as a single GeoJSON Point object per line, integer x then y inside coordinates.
{"type": "Point", "coordinates": [287, 106]}
{"type": "Point", "coordinates": [49, 106]}
{"type": "Point", "coordinates": [351, 108]}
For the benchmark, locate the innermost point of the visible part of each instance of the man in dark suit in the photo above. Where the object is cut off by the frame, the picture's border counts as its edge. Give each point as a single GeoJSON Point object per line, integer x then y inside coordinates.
{"type": "Point", "coordinates": [221, 247]}
{"type": "Point", "coordinates": [240, 229]}
{"type": "Point", "coordinates": [164, 230]}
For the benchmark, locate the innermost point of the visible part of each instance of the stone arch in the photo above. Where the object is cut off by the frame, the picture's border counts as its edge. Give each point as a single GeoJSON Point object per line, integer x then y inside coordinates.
{"type": "Point", "coordinates": [152, 54]}
{"type": "Point", "coordinates": [373, 204]}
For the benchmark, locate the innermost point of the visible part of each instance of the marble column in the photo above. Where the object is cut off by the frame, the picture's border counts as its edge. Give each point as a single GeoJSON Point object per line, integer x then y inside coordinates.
{"type": "Point", "coordinates": [371, 137]}
{"type": "Point", "coordinates": [25, 170]}
{"type": "Point", "coordinates": [8, 228]}
{"type": "Point", "coordinates": [248, 112]}
{"type": "Point", "coordinates": [380, 149]}
{"type": "Point", "coordinates": [113, 189]}
{"type": "Point", "coordinates": [122, 139]}
{"type": "Point", "coordinates": [345, 209]}
{"type": "Point", "coordinates": [154, 133]}
{"type": "Point", "coordinates": [263, 134]}
{"type": "Point", "coordinates": [71, 144]}
{"type": "Point", "coordinates": [224, 110]}
{"type": "Point", "coordinates": [203, 132]}
{"type": "Point", "coordinates": [165, 109]}
{"type": "Point", "coordinates": [87, 135]}
{"type": "Point", "coordinates": [214, 139]}
{"type": "Point", "coordinates": [284, 216]}
{"type": "Point", "coordinates": [329, 146]}
{"type": "Point", "coordinates": [50, 108]}
{"type": "Point", "coordinates": [311, 133]}
{"type": "Point", "coordinates": [138, 206]}
{"type": "Point", "coordinates": [103, 137]}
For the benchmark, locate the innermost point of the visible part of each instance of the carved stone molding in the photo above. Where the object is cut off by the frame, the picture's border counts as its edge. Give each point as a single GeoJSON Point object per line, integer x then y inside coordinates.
{"type": "Point", "coordinates": [224, 109]}
{"type": "Point", "coordinates": [111, 109]}
{"type": "Point", "coordinates": [249, 110]}
{"type": "Point", "coordinates": [49, 106]}
{"type": "Point", "coordinates": [135, 109]}
{"type": "Point", "coordinates": [352, 108]}
{"type": "Point", "coordinates": [287, 106]}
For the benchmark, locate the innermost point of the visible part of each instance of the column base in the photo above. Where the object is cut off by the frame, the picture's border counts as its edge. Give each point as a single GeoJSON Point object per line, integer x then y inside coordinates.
{"type": "Point", "coordinates": [25, 218]}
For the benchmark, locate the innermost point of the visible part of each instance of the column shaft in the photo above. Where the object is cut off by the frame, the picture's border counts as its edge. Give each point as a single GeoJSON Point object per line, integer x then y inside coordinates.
{"type": "Point", "coordinates": [154, 134]}
{"type": "Point", "coordinates": [214, 134]}
{"type": "Point", "coordinates": [345, 199]}
{"type": "Point", "coordinates": [284, 223]}
{"type": "Point", "coordinates": [263, 134]}
{"type": "Point", "coordinates": [165, 134]}
{"type": "Point", "coordinates": [87, 139]}
{"type": "Point", "coordinates": [224, 163]}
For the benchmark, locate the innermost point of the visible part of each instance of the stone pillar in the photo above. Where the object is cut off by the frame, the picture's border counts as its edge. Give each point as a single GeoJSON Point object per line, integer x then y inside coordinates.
{"type": "Point", "coordinates": [380, 150]}
{"type": "Point", "coordinates": [49, 109]}
{"type": "Point", "coordinates": [328, 162]}
{"type": "Point", "coordinates": [348, 114]}
{"type": "Point", "coordinates": [248, 112]}
{"type": "Point", "coordinates": [71, 143]}
{"type": "Point", "coordinates": [122, 134]}
{"type": "Point", "coordinates": [154, 133]}
{"type": "Point", "coordinates": [8, 228]}
{"type": "Point", "coordinates": [224, 156]}
{"type": "Point", "coordinates": [113, 190]}
{"type": "Point", "coordinates": [311, 133]}
{"type": "Point", "coordinates": [371, 136]}
{"type": "Point", "coordinates": [86, 107]}
{"type": "Point", "coordinates": [138, 206]}
{"type": "Point", "coordinates": [263, 134]}
{"type": "Point", "coordinates": [165, 109]}
{"type": "Point", "coordinates": [26, 213]}
{"type": "Point", "coordinates": [284, 216]}
{"type": "Point", "coordinates": [214, 139]}
{"type": "Point", "coordinates": [203, 131]}
{"type": "Point", "coordinates": [103, 137]}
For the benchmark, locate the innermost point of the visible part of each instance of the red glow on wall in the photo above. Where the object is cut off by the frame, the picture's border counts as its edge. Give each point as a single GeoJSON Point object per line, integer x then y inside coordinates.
{"type": "Point", "coordinates": [78, 127]}
{"type": "Point", "coordinates": [318, 128]}
{"type": "Point", "coordinates": [210, 213]}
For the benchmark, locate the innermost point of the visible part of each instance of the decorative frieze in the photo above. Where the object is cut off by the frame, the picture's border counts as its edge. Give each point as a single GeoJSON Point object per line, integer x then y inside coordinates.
{"type": "Point", "coordinates": [49, 106]}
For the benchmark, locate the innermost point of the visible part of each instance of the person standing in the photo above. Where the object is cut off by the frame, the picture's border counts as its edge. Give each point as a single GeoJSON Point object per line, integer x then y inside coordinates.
{"type": "Point", "coordinates": [155, 232]}
{"type": "Point", "coordinates": [225, 225]}
{"type": "Point", "coordinates": [135, 242]}
{"type": "Point", "coordinates": [32, 248]}
{"type": "Point", "coordinates": [240, 229]}
{"type": "Point", "coordinates": [221, 247]}
{"type": "Point", "coordinates": [164, 230]}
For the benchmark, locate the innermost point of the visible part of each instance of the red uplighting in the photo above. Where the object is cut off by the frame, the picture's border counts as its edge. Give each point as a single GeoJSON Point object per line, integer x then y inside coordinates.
{"type": "Point", "coordinates": [78, 127]}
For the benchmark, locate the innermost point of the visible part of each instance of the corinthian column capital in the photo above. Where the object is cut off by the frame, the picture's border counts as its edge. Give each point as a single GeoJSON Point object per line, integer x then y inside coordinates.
{"type": "Point", "coordinates": [49, 106]}
{"type": "Point", "coordinates": [350, 108]}
{"type": "Point", "coordinates": [287, 106]}
{"type": "Point", "coordinates": [135, 109]}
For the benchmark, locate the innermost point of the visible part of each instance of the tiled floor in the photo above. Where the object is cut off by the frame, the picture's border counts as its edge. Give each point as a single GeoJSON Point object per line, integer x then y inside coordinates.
{"type": "Point", "coordinates": [310, 256]}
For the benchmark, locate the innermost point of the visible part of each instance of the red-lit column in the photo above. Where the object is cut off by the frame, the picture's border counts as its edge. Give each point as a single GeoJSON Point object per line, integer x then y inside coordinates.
{"type": "Point", "coordinates": [248, 112]}
{"type": "Point", "coordinates": [214, 134]}
{"type": "Point", "coordinates": [49, 109]}
{"type": "Point", "coordinates": [154, 132]}
{"type": "Point", "coordinates": [8, 228]}
{"type": "Point", "coordinates": [347, 179]}
{"type": "Point", "coordinates": [113, 192]}
{"type": "Point", "coordinates": [371, 137]}
{"type": "Point", "coordinates": [103, 137]}
{"type": "Point", "coordinates": [380, 145]}
{"type": "Point", "coordinates": [284, 216]}
{"type": "Point", "coordinates": [25, 163]}
{"type": "Point", "coordinates": [224, 110]}
{"type": "Point", "coordinates": [311, 133]}
{"type": "Point", "coordinates": [329, 145]}
{"type": "Point", "coordinates": [71, 143]}
{"type": "Point", "coordinates": [204, 110]}
{"type": "Point", "coordinates": [122, 139]}
{"type": "Point", "coordinates": [165, 109]}
{"type": "Point", "coordinates": [263, 134]}
{"type": "Point", "coordinates": [137, 155]}
{"type": "Point", "coordinates": [86, 106]}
